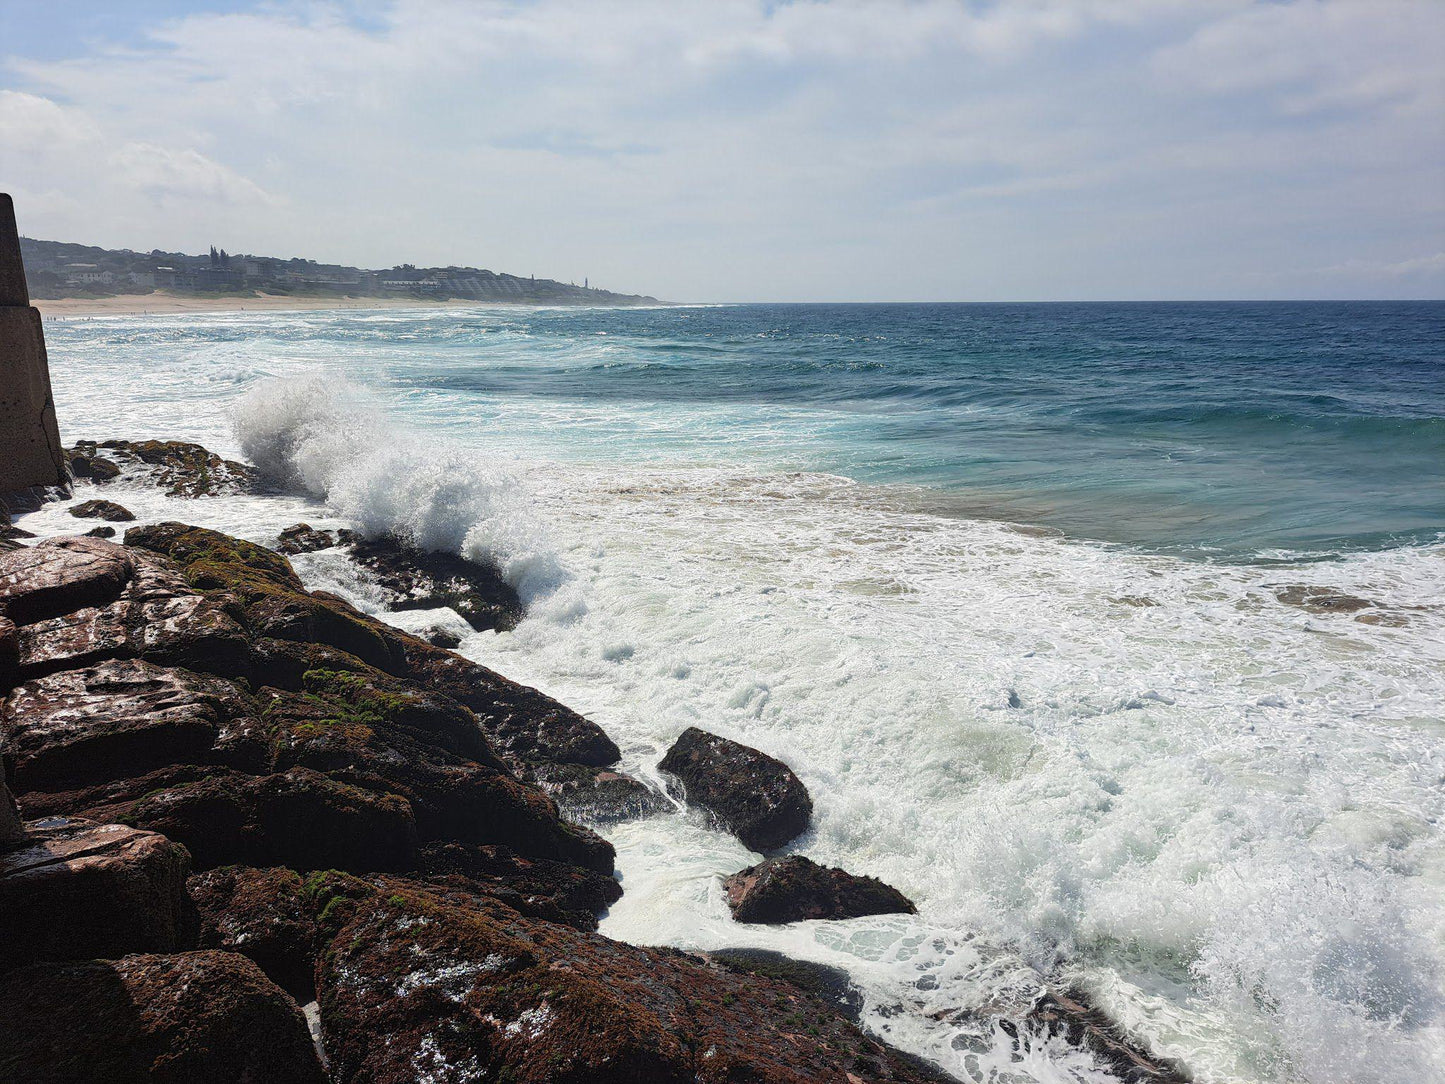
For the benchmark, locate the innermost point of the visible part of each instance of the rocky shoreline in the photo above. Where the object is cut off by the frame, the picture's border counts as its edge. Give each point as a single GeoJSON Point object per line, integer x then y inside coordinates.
{"type": "Point", "coordinates": [237, 797]}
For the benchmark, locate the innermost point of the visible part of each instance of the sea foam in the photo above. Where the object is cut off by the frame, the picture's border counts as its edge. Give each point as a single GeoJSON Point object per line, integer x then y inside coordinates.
{"type": "Point", "coordinates": [330, 440]}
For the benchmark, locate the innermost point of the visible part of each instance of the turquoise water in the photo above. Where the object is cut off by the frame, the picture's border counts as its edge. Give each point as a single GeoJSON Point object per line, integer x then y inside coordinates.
{"type": "Point", "coordinates": [1232, 428]}
{"type": "Point", "coordinates": [1109, 754]}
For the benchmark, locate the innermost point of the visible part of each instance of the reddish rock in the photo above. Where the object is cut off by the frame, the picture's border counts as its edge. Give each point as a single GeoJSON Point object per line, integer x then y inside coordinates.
{"type": "Point", "coordinates": [60, 575]}
{"type": "Point", "coordinates": [525, 725]}
{"type": "Point", "coordinates": [75, 889]}
{"type": "Point", "coordinates": [264, 914]}
{"type": "Point", "coordinates": [269, 595]}
{"type": "Point", "coordinates": [11, 830]}
{"type": "Point", "coordinates": [538, 888]}
{"type": "Point", "coordinates": [754, 796]}
{"type": "Point", "coordinates": [793, 889]}
{"type": "Point", "coordinates": [107, 510]}
{"type": "Point", "coordinates": [167, 1019]}
{"type": "Point", "coordinates": [301, 818]}
{"type": "Point", "coordinates": [416, 986]}
{"type": "Point", "coordinates": [119, 718]}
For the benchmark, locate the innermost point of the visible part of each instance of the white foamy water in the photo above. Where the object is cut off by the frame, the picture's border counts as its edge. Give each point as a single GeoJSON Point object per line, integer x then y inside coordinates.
{"type": "Point", "coordinates": [1218, 814]}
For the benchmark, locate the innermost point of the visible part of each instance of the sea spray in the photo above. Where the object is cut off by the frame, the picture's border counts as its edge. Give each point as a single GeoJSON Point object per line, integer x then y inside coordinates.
{"type": "Point", "coordinates": [331, 440]}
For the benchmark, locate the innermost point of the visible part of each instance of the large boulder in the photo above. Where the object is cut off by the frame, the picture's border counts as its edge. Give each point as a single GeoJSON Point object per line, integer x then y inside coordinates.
{"type": "Point", "coordinates": [73, 890]}
{"type": "Point", "coordinates": [420, 985]}
{"type": "Point", "coordinates": [794, 888]}
{"type": "Point", "coordinates": [265, 914]}
{"type": "Point", "coordinates": [153, 1019]}
{"type": "Point", "coordinates": [757, 797]}
{"type": "Point", "coordinates": [300, 818]}
{"type": "Point", "coordinates": [117, 719]}
{"type": "Point", "coordinates": [60, 575]}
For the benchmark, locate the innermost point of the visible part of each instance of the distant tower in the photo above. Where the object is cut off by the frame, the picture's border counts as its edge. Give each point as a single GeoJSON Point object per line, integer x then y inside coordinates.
{"type": "Point", "coordinates": [584, 283]}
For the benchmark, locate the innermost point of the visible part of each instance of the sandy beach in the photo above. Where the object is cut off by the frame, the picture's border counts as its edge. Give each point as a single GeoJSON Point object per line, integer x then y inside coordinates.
{"type": "Point", "coordinates": [165, 303]}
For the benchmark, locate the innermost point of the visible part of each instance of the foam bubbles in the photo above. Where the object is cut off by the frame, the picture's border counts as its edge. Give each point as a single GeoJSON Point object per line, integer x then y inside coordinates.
{"type": "Point", "coordinates": [327, 438]}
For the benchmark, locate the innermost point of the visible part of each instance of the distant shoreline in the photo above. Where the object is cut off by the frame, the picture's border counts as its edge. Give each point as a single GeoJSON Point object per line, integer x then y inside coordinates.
{"type": "Point", "coordinates": [164, 304]}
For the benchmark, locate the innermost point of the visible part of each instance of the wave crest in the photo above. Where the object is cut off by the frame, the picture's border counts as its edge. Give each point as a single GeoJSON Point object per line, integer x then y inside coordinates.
{"type": "Point", "coordinates": [327, 439]}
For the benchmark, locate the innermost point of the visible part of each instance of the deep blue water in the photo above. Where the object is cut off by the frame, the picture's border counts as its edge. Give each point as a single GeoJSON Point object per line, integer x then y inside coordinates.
{"type": "Point", "coordinates": [1231, 428]}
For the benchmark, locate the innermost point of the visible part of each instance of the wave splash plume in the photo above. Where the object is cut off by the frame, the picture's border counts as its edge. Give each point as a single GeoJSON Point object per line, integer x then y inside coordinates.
{"type": "Point", "coordinates": [326, 438]}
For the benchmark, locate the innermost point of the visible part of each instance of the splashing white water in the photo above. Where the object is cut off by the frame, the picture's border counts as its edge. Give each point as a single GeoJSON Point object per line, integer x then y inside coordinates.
{"type": "Point", "coordinates": [325, 437]}
{"type": "Point", "coordinates": [1218, 813]}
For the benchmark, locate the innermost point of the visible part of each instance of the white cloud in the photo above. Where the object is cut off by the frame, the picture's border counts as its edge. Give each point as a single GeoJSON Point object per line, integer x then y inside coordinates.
{"type": "Point", "coordinates": [742, 149]}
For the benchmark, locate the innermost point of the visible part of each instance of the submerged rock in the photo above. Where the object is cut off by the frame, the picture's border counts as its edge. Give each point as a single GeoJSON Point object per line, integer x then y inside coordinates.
{"type": "Point", "coordinates": [73, 889]}
{"type": "Point", "coordinates": [170, 1019]}
{"type": "Point", "coordinates": [1069, 1014]}
{"type": "Point", "coordinates": [755, 796]}
{"type": "Point", "coordinates": [100, 532]}
{"type": "Point", "coordinates": [597, 795]}
{"type": "Point", "coordinates": [794, 888]}
{"type": "Point", "coordinates": [1321, 599]}
{"type": "Point", "coordinates": [108, 510]}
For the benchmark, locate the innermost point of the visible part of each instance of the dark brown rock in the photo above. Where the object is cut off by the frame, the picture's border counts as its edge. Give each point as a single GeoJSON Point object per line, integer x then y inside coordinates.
{"type": "Point", "coordinates": [183, 469]}
{"type": "Point", "coordinates": [75, 889]}
{"type": "Point", "coordinates": [169, 1019]}
{"type": "Point", "coordinates": [304, 538]}
{"type": "Point", "coordinates": [271, 598]}
{"type": "Point", "coordinates": [60, 575]}
{"type": "Point", "coordinates": [100, 532]}
{"type": "Point", "coordinates": [418, 580]}
{"type": "Point", "coordinates": [1069, 1014]}
{"type": "Point", "coordinates": [300, 818]}
{"type": "Point", "coordinates": [109, 721]}
{"type": "Point", "coordinates": [9, 654]}
{"type": "Point", "coordinates": [416, 985]}
{"type": "Point", "coordinates": [11, 830]}
{"type": "Point", "coordinates": [754, 796]}
{"type": "Point", "coordinates": [538, 888]}
{"type": "Point", "coordinates": [793, 889]}
{"type": "Point", "coordinates": [597, 795]}
{"type": "Point", "coordinates": [107, 510]}
{"type": "Point", "coordinates": [264, 914]}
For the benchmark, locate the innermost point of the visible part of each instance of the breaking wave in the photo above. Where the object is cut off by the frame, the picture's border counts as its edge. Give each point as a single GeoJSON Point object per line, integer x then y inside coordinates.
{"type": "Point", "coordinates": [329, 440]}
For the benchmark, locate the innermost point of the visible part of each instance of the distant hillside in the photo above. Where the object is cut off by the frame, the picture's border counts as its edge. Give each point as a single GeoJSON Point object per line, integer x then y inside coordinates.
{"type": "Point", "coordinates": [58, 269]}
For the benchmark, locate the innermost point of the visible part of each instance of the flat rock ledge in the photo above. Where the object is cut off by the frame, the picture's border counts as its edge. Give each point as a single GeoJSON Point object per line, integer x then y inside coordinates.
{"type": "Point", "coordinates": [753, 795]}
{"type": "Point", "coordinates": [237, 793]}
{"type": "Point", "coordinates": [795, 889]}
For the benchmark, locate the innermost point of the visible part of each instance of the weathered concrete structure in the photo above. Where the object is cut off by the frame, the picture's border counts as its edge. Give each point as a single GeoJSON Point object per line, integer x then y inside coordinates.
{"type": "Point", "coordinates": [30, 449]}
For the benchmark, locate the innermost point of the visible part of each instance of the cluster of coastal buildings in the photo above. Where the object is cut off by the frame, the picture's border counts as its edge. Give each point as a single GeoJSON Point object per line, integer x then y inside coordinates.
{"type": "Point", "coordinates": [59, 269]}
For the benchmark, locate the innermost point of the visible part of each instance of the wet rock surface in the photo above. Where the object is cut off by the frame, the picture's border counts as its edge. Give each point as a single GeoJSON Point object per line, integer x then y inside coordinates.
{"type": "Point", "coordinates": [1069, 1014]}
{"type": "Point", "coordinates": [419, 580]}
{"type": "Point", "coordinates": [264, 914]}
{"type": "Point", "coordinates": [794, 888]}
{"type": "Point", "coordinates": [179, 467]}
{"type": "Point", "coordinates": [61, 575]}
{"type": "Point", "coordinates": [72, 890]}
{"type": "Point", "coordinates": [484, 989]}
{"type": "Point", "coordinates": [98, 509]}
{"type": "Point", "coordinates": [178, 1019]}
{"type": "Point", "coordinates": [755, 796]}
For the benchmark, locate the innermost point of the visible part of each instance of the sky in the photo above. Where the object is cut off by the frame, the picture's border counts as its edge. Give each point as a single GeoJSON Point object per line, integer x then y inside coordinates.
{"type": "Point", "coordinates": [728, 150]}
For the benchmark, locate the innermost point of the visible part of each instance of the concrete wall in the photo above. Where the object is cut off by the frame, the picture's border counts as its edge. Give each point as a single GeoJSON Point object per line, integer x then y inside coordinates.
{"type": "Point", "coordinates": [30, 449]}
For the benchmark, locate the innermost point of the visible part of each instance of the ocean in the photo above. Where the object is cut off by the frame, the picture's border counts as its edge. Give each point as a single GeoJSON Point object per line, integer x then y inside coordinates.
{"type": "Point", "coordinates": [1113, 635]}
